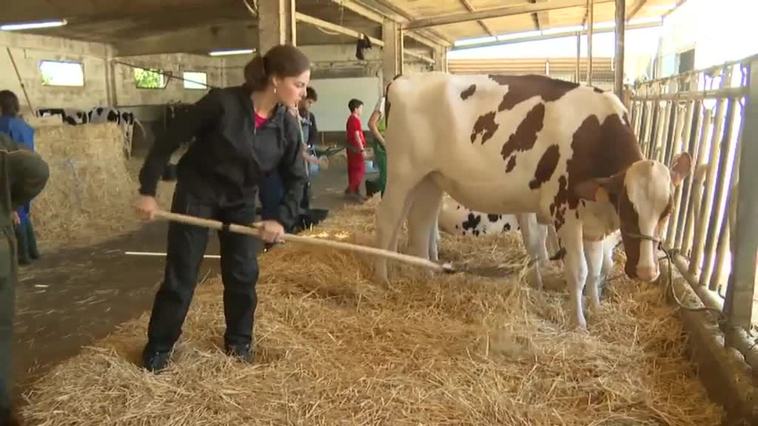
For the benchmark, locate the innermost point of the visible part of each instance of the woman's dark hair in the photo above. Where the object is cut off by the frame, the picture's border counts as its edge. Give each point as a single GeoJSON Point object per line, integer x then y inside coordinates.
{"type": "Point", "coordinates": [9, 103]}
{"type": "Point", "coordinates": [310, 93]}
{"type": "Point", "coordinates": [281, 61]}
{"type": "Point", "coordinates": [354, 104]}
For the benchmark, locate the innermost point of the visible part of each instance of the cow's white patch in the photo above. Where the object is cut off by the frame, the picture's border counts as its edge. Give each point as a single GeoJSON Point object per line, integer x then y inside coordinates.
{"type": "Point", "coordinates": [648, 185]}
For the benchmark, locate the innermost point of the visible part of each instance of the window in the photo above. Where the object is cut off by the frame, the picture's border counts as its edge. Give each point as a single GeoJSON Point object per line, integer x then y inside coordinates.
{"type": "Point", "coordinates": [57, 73]}
{"type": "Point", "coordinates": [149, 79]}
{"type": "Point", "coordinates": [195, 80]}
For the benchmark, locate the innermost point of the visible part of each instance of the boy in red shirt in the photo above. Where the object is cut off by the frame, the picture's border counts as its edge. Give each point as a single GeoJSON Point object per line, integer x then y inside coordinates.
{"type": "Point", "coordinates": [356, 145]}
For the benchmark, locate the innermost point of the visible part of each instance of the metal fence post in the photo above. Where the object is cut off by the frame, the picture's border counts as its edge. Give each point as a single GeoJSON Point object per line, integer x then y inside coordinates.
{"type": "Point", "coordinates": [740, 291]}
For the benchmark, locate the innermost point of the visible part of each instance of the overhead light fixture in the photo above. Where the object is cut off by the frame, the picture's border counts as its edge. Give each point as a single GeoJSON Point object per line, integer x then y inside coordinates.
{"type": "Point", "coordinates": [33, 25]}
{"type": "Point", "coordinates": [231, 52]}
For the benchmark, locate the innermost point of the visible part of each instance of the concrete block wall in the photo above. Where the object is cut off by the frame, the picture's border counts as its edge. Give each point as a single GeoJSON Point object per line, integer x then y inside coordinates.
{"type": "Point", "coordinates": [29, 50]}
{"type": "Point", "coordinates": [127, 93]}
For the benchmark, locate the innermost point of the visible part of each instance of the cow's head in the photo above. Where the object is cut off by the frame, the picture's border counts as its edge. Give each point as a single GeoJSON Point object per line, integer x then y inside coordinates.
{"type": "Point", "coordinates": [643, 197]}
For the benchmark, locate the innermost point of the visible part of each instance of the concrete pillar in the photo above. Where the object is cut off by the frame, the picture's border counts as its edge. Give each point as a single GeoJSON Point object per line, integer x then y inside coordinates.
{"type": "Point", "coordinates": [392, 53]}
{"type": "Point", "coordinates": [276, 24]}
{"type": "Point", "coordinates": [110, 78]}
{"type": "Point", "coordinates": [440, 59]}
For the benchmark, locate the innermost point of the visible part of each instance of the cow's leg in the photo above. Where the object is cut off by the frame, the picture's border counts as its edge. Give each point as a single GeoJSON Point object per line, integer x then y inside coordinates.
{"type": "Point", "coordinates": [422, 218]}
{"type": "Point", "coordinates": [389, 216]}
{"type": "Point", "coordinates": [607, 269]}
{"type": "Point", "coordinates": [576, 268]}
{"type": "Point", "coordinates": [534, 236]}
{"type": "Point", "coordinates": [593, 254]}
{"type": "Point", "coordinates": [434, 240]}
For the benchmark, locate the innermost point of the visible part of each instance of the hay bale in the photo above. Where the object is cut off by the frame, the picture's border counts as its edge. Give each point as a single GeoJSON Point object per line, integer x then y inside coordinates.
{"type": "Point", "coordinates": [334, 348]}
{"type": "Point", "coordinates": [90, 192]}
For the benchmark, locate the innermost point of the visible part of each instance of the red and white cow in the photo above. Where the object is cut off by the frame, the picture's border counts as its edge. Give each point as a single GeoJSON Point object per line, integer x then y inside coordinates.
{"type": "Point", "coordinates": [525, 144]}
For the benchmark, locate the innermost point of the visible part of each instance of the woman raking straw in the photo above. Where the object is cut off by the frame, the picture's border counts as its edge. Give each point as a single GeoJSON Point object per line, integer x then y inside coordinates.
{"type": "Point", "coordinates": [242, 133]}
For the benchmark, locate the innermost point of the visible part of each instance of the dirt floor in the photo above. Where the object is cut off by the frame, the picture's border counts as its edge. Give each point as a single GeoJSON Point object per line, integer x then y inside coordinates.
{"type": "Point", "coordinates": [58, 296]}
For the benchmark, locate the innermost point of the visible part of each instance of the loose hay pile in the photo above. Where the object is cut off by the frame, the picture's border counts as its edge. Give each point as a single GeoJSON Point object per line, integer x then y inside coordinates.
{"type": "Point", "coordinates": [90, 193]}
{"type": "Point", "coordinates": [333, 347]}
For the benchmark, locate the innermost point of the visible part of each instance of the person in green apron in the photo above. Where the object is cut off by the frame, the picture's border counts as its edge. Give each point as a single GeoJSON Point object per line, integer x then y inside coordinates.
{"type": "Point", "coordinates": [23, 175]}
{"type": "Point", "coordinates": [377, 127]}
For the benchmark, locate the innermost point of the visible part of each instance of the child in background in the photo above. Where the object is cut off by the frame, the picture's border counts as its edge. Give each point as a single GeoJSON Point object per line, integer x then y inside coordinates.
{"type": "Point", "coordinates": [19, 131]}
{"type": "Point", "coordinates": [356, 146]}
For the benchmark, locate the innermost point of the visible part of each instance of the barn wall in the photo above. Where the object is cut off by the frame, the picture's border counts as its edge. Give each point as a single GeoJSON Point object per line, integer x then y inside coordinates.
{"type": "Point", "coordinates": [127, 93]}
{"type": "Point", "coordinates": [718, 32]}
{"type": "Point", "coordinates": [28, 50]}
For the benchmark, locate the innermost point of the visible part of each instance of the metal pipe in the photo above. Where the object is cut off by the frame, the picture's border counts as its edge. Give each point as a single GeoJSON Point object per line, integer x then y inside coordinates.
{"type": "Point", "coordinates": [578, 56]}
{"type": "Point", "coordinates": [676, 147]}
{"type": "Point", "coordinates": [719, 198]}
{"type": "Point", "coordinates": [685, 193]}
{"type": "Point", "coordinates": [591, 17]}
{"type": "Point", "coordinates": [710, 185]}
{"type": "Point", "coordinates": [618, 58]}
{"type": "Point", "coordinates": [730, 92]}
{"type": "Point", "coordinates": [700, 148]}
{"type": "Point", "coordinates": [741, 287]}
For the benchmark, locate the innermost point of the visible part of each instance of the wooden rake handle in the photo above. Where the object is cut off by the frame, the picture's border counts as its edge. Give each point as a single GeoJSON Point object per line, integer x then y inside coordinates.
{"type": "Point", "coordinates": [250, 230]}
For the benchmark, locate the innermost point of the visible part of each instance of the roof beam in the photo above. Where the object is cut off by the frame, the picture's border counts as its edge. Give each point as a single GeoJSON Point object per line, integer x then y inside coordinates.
{"type": "Point", "coordinates": [41, 10]}
{"type": "Point", "coordinates": [482, 24]}
{"type": "Point", "coordinates": [320, 23]}
{"type": "Point", "coordinates": [634, 8]}
{"type": "Point", "coordinates": [192, 40]}
{"type": "Point", "coordinates": [498, 12]}
{"type": "Point", "coordinates": [301, 17]}
{"type": "Point", "coordinates": [427, 37]}
{"type": "Point", "coordinates": [552, 36]}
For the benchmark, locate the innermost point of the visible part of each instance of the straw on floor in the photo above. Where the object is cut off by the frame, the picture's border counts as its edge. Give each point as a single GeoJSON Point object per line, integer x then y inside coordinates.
{"type": "Point", "coordinates": [333, 347]}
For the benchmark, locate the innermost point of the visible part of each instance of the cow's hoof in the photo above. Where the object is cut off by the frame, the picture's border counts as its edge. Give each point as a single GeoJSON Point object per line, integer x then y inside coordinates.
{"type": "Point", "coordinates": [579, 325]}
{"type": "Point", "coordinates": [380, 275]}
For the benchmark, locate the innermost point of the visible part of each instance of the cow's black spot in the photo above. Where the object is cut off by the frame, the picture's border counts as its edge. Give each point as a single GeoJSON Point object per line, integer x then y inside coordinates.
{"type": "Point", "coordinates": [525, 136]}
{"type": "Point", "coordinates": [486, 126]}
{"type": "Point", "coordinates": [493, 217]}
{"type": "Point", "coordinates": [523, 87]}
{"type": "Point", "coordinates": [99, 110]}
{"type": "Point", "coordinates": [597, 90]}
{"type": "Point", "coordinates": [468, 92]}
{"type": "Point", "coordinates": [511, 164]}
{"type": "Point", "coordinates": [545, 167]}
{"type": "Point", "coordinates": [472, 221]}
{"type": "Point", "coordinates": [112, 116]}
{"type": "Point", "coordinates": [507, 227]}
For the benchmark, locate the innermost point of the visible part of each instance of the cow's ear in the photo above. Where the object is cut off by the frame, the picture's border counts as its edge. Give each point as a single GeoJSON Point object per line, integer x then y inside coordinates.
{"type": "Point", "coordinates": [681, 166]}
{"type": "Point", "coordinates": [599, 189]}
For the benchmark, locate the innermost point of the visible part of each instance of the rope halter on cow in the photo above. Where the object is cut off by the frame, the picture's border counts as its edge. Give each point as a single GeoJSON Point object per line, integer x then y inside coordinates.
{"type": "Point", "coordinates": [669, 256]}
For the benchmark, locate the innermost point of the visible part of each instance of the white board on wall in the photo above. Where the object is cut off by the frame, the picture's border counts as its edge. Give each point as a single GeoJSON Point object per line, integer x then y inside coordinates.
{"type": "Point", "coordinates": [333, 96]}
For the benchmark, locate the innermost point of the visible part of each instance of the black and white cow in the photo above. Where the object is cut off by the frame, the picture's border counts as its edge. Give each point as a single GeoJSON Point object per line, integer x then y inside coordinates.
{"type": "Point", "coordinates": [113, 115]}
{"type": "Point", "coordinates": [68, 115]}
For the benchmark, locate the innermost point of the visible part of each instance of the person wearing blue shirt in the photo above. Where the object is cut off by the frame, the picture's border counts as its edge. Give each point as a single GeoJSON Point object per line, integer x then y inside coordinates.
{"type": "Point", "coordinates": [23, 134]}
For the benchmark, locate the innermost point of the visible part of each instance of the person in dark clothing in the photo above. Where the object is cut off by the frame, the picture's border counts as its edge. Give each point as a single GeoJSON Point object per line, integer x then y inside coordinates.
{"type": "Point", "coordinates": [22, 133]}
{"type": "Point", "coordinates": [272, 188]}
{"type": "Point", "coordinates": [241, 134]}
{"type": "Point", "coordinates": [307, 119]}
{"type": "Point", "coordinates": [23, 175]}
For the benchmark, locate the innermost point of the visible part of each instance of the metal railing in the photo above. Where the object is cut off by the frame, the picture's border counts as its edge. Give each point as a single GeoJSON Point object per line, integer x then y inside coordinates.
{"type": "Point", "coordinates": [713, 115]}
